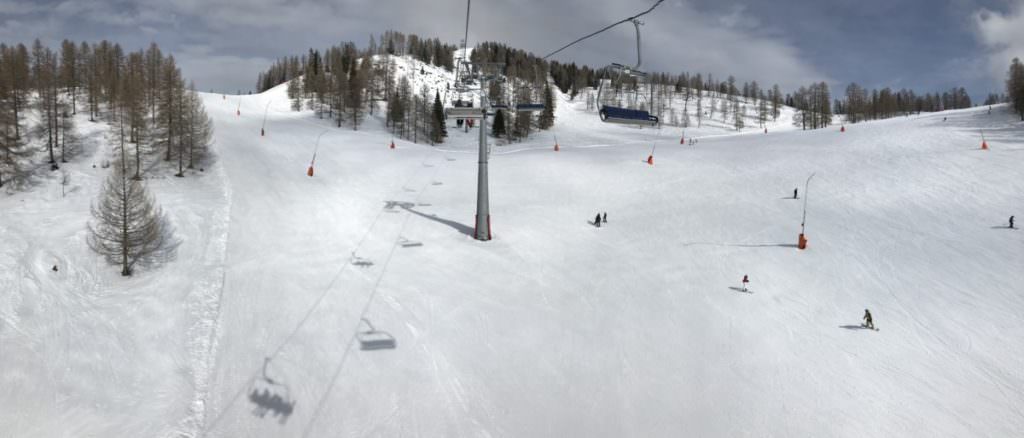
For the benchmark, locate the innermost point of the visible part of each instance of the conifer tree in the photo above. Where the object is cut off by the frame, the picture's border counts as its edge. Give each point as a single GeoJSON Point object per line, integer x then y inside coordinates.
{"type": "Point", "coordinates": [498, 124]}
{"type": "Point", "coordinates": [547, 117]}
{"type": "Point", "coordinates": [129, 227]}
{"type": "Point", "coordinates": [1015, 86]}
{"type": "Point", "coordinates": [438, 129]}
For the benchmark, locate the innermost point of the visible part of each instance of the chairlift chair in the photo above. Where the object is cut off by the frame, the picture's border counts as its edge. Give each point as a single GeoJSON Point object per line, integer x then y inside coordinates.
{"type": "Point", "coordinates": [614, 114]}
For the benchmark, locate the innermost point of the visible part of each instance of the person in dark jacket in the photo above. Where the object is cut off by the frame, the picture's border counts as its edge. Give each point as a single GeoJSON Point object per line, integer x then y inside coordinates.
{"type": "Point", "coordinates": [597, 220]}
{"type": "Point", "coordinates": [1011, 222]}
{"type": "Point", "coordinates": [868, 322]}
{"type": "Point", "coordinates": [605, 218]}
{"type": "Point", "coordinates": [794, 193]}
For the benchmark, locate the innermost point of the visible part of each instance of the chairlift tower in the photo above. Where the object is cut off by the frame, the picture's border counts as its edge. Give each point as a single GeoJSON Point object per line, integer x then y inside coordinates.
{"type": "Point", "coordinates": [482, 227]}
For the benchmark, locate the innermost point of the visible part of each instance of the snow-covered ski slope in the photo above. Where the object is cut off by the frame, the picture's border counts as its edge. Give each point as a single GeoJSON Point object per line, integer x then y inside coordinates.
{"type": "Point", "coordinates": [554, 328]}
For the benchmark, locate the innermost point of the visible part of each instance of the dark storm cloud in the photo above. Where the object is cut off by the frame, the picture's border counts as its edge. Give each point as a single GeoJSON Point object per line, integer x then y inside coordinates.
{"type": "Point", "coordinates": [223, 44]}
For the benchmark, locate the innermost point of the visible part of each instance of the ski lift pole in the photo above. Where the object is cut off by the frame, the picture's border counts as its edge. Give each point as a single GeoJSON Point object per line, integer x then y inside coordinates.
{"type": "Point", "coordinates": [316, 148]}
{"type": "Point", "coordinates": [264, 125]}
{"type": "Point", "coordinates": [482, 230]}
{"type": "Point", "coordinates": [802, 242]}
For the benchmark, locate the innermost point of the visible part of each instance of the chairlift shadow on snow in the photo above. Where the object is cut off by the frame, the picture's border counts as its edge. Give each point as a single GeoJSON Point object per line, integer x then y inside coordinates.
{"type": "Point", "coordinates": [374, 339]}
{"type": "Point", "coordinates": [271, 396]}
{"type": "Point", "coordinates": [361, 262]}
{"type": "Point", "coordinates": [390, 206]}
{"type": "Point", "coordinates": [406, 243]}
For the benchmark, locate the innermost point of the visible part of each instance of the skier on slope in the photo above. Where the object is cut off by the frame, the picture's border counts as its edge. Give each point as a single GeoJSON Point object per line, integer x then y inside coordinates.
{"type": "Point", "coordinates": [745, 281]}
{"type": "Point", "coordinates": [1011, 222]}
{"type": "Point", "coordinates": [868, 322]}
{"type": "Point", "coordinates": [597, 220]}
{"type": "Point", "coordinates": [794, 193]}
{"type": "Point", "coordinates": [605, 218]}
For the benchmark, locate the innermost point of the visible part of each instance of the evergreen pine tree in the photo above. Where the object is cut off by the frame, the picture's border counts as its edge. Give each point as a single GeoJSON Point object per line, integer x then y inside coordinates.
{"type": "Point", "coordinates": [1015, 86]}
{"type": "Point", "coordinates": [498, 124]}
{"type": "Point", "coordinates": [547, 117]}
{"type": "Point", "coordinates": [438, 130]}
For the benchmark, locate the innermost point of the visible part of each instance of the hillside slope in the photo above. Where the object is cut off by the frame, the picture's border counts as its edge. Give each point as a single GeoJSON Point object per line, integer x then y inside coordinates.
{"type": "Point", "coordinates": [558, 328]}
{"type": "Point", "coordinates": [555, 327]}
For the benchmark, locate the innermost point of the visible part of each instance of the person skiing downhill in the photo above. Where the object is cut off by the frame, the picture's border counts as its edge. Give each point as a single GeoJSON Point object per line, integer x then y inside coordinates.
{"type": "Point", "coordinates": [605, 218]}
{"type": "Point", "coordinates": [1011, 222]}
{"type": "Point", "coordinates": [597, 220]}
{"type": "Point", "coordinates": [745, 281]}
{"type": "Point", "coordinates": [868, 322]}
{"type": "Point", "coordinates": [794, 193]}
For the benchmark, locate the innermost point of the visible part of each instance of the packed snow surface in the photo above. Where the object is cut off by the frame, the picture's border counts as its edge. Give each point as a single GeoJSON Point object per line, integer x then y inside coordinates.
{"type": "Point", "coordinates": [555, 327]}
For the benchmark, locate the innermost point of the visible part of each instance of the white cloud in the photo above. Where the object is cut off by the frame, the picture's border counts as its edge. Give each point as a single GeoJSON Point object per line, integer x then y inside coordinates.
{"type": "Point", "coordinates": [1002, 36]}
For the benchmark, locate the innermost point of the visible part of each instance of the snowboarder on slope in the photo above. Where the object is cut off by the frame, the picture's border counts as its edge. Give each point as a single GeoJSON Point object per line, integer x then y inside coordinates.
{"type": "Point", "coordinates": [597, 220]}
{"type": "Point", "coordinates": [868, 322]}
{"type": "Point", "coordinates": [1011, 222]}
{"type": "Point", "coordinates": [745, 281]}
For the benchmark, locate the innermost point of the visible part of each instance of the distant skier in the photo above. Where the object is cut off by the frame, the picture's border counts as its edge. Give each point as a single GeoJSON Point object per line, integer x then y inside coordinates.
{"type": "Point", "coordinates": [604, 219]}
{"type": "Point", "coordinates": [745, 281]}
{"type": "Point", "coordinates": [794, 194]}
{"type": "Point", "coordinates": [868, 322]}
{"type": "Point", "coordinates": [597, 220]}
{"type": "Point", "coordinates": [943, 119]}
{"type": "Point", "coordinates": [1011, 222]}
{"type": "Point", "coordinates": [55, 266]}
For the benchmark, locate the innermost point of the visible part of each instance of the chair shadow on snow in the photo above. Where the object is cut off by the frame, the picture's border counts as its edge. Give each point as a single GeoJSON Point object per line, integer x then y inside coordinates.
{"type": "Point", "coordinates": [271, 396]}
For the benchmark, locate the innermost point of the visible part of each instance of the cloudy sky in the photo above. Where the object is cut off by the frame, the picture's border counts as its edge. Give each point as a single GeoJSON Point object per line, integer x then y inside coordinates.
{"type": "Point", "coordinates": [926, 45]}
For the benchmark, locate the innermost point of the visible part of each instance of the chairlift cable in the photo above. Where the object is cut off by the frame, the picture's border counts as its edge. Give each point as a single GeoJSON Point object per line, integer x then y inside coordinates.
{"type": "Point", "coordinates": [603, 29]}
